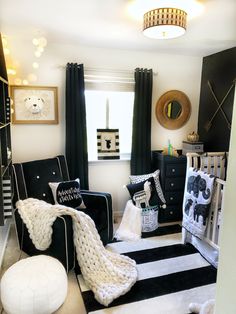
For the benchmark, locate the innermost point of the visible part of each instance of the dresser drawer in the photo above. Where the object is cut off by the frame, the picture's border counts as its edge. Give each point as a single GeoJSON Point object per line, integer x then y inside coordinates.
{"type": "Point", "coordinates": [174, 170]}
{"type": "Point", "coordinates": [174, 197]}
{"type": "Point", "coordinates": [174, 184]}
{"type": "Point", "coordinates": [170, 213]}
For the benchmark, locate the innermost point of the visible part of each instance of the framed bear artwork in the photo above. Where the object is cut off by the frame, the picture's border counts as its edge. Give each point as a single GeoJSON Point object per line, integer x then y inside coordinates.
{"type": "Point", "coordinates": [34, 104]}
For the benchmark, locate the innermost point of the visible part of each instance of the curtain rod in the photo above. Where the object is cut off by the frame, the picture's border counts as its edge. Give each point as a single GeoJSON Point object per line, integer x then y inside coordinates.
{"type": "Point", "coordinates": [108, 70]}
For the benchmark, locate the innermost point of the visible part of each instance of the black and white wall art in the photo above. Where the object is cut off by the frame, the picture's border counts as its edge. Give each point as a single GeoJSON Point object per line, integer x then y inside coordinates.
{"type": "Point", "coordinates": [108, 144]}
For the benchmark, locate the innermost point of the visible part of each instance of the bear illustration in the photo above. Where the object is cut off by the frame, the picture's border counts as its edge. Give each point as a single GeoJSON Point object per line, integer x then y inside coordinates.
{"type": "Point", "coordinates": [34, 104]}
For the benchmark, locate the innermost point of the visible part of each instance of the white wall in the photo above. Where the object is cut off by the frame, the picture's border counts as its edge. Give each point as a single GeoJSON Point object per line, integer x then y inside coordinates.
{"type": "Point", "coordinates": [226, 278]}
{"type": "Point", "coordinates": [173, 72]}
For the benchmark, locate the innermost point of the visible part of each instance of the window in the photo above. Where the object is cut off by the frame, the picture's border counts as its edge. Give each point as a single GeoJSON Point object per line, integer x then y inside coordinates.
{"type": "Point", "coordinates": [120, 117]}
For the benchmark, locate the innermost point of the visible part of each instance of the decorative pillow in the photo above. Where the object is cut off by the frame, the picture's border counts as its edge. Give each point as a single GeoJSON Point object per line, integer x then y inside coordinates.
{"type": "Point", "coordinates": [155, 175]}
{"type": "Point", "coordinates": [67, 193]}
{"type": "Point", "coordinates": [141, 186]}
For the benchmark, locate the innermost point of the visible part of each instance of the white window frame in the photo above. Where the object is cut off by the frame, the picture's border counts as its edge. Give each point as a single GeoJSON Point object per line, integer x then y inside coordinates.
{"type": "Point", "coordinates": [109, 81]}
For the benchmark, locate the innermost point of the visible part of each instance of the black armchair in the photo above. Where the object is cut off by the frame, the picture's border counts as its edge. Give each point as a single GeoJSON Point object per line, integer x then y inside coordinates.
{"type": "Point", "coordinates": [31, 180]}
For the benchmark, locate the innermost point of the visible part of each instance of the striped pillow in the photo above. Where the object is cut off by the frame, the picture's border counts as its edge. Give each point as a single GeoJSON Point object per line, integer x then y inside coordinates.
{"type": "Point", "coordinates": [144, 177]}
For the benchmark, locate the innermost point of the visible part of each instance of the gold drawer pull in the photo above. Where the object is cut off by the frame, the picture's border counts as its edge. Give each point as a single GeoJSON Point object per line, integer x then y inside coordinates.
{"type": "Point", "coordinates": [172, 184]}
{"type": "Point", "coordinates": [171, 212]}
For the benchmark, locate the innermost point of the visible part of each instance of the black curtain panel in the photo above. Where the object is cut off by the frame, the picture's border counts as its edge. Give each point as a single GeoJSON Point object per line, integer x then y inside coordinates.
{"type": "Point", "coordinates": [141, 136]}
{"type": "Point", "coordinates": [76, 134]}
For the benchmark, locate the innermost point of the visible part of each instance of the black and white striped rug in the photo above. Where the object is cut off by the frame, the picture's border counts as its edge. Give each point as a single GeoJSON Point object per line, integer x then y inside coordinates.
{"type": "Point", "coordinates": [171, 276]}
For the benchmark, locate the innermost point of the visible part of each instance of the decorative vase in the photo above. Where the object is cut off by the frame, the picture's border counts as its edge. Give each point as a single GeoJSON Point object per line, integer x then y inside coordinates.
{"type": "Point", "coordinates": [193, 137]}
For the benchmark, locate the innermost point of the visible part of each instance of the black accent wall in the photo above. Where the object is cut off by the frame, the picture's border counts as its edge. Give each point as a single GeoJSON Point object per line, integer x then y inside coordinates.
{"type": "Point", "coordinates": [219, 71]}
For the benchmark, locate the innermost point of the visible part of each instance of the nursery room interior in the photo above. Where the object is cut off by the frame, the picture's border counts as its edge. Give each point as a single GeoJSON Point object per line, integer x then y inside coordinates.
{"type": "Point", "coordinates": [117, 135]}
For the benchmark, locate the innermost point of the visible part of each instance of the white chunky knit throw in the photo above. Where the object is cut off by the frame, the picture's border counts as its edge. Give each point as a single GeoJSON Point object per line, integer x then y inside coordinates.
{"type": "Point", "coordinates": [109, 275]}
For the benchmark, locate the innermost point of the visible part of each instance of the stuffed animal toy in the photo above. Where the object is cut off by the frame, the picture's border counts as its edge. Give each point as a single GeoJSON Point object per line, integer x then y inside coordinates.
{"type": "Point", "coordinates": [205, 308]}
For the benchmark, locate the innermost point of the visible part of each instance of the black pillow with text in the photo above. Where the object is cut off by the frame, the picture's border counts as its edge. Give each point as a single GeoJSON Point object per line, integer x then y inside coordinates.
{"type": "Point", "coordinates": [67, 193]}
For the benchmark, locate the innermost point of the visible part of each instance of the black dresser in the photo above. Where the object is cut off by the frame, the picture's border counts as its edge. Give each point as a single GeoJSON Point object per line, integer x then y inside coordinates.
{"type": "Point", "coordinates": [172, 177]}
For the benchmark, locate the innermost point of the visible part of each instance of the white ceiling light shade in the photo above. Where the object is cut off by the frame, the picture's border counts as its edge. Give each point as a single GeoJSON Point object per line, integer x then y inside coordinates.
{"type": "Point", "coordinates": [164, 23]}
{"type": "Point", "coordinates": [136, 8]}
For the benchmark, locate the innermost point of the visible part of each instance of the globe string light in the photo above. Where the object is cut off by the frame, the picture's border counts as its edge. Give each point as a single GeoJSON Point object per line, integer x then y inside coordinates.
{"type": "Point", "coordinates": [39, 43]}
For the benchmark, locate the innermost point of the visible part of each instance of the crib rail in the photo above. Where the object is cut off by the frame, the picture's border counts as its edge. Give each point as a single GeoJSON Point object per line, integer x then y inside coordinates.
{"type": "Point", "coordinates": [213, 163]}
{"type": "Point", "coordinates": [216, 211]}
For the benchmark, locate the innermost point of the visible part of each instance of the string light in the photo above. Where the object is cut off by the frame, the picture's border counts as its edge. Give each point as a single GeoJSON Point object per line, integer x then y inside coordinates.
{"type": "Point", "coordinates": [32, 77]}
{"type": "Point", "coordinates": [18, 81]}
{"type": "Point", "coordinates": [4, 42]}
{"type": "Point", "coordinates": [40, 43]}
{"type": "Point", "coordinates": [40, 49]}
{"type": "Point", "coordinates": [37, 54]}
{"type": "Point", "coordinates": [35, 65]}
{"type": "Point", "coordinates": [35, 41]}
{"type": "Point", "coordinates": [25, 82]}
{"type": "Point", "coordinates": [11, 71]}
{"type": "Point", "coordinates": [6, 51]}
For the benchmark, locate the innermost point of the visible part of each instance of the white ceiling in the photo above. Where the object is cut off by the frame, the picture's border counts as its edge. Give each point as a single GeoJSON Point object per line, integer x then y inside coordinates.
{"type": "Point", "coordinates": [106, 23]}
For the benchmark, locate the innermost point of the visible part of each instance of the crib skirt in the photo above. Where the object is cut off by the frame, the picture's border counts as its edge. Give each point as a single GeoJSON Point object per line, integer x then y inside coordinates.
{"type": "Point", "coordinates": [210, 253]}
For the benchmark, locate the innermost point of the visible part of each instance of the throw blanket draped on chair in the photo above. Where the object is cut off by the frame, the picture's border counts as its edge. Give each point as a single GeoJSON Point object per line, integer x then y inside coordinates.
{"type": "Point", "coordinates": [109, 275]}
{"type": "Point", "coordinates": [197, 199]}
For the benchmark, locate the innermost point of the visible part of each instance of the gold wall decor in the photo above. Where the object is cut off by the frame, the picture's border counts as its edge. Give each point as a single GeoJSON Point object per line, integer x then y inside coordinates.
{"type": "Point", "coordinates": [173, 109]}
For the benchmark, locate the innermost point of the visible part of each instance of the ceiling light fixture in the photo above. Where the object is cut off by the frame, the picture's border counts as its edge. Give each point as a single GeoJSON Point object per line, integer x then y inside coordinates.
{"type": "Point", "coordinates": [164, 23]}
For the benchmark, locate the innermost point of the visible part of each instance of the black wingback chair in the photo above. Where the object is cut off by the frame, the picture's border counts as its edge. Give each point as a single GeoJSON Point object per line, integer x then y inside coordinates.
{"type": "Point", "coordinates": [31, 180]}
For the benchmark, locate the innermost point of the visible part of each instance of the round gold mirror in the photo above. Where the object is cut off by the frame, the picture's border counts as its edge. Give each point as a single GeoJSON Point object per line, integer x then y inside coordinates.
{"type": "Point", "coordinates": [173, 109]}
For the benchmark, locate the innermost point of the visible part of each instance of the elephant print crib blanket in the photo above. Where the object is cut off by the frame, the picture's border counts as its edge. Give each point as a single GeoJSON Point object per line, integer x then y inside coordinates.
{"type": "Point", "coordinates": [197, 199]}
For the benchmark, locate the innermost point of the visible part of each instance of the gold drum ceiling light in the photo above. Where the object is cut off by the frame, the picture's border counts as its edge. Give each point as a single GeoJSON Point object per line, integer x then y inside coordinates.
{"type": "Point", "coordinates": [164, 23]}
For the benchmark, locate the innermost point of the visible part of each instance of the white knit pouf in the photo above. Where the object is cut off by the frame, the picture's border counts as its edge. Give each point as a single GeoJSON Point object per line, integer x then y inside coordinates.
{"type": "Point", "coordinates": [35, 285]}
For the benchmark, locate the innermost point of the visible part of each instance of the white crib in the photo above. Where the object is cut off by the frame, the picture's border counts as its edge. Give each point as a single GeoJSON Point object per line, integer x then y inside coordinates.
{"type": "Point", "coordinates": [212, 163]}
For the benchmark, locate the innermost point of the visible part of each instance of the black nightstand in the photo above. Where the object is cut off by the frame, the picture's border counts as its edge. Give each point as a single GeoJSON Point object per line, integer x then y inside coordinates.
{"type": "Point", "coordinates": [172, 177]}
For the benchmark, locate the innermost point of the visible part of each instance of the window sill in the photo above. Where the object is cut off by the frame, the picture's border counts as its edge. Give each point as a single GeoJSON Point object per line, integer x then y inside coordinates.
{"type": "Point", "coordinates": [121, 159]}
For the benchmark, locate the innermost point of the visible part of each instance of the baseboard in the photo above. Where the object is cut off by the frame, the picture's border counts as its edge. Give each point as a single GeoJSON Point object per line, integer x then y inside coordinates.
{"type": "Point", "coordinates": [4, 233]}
